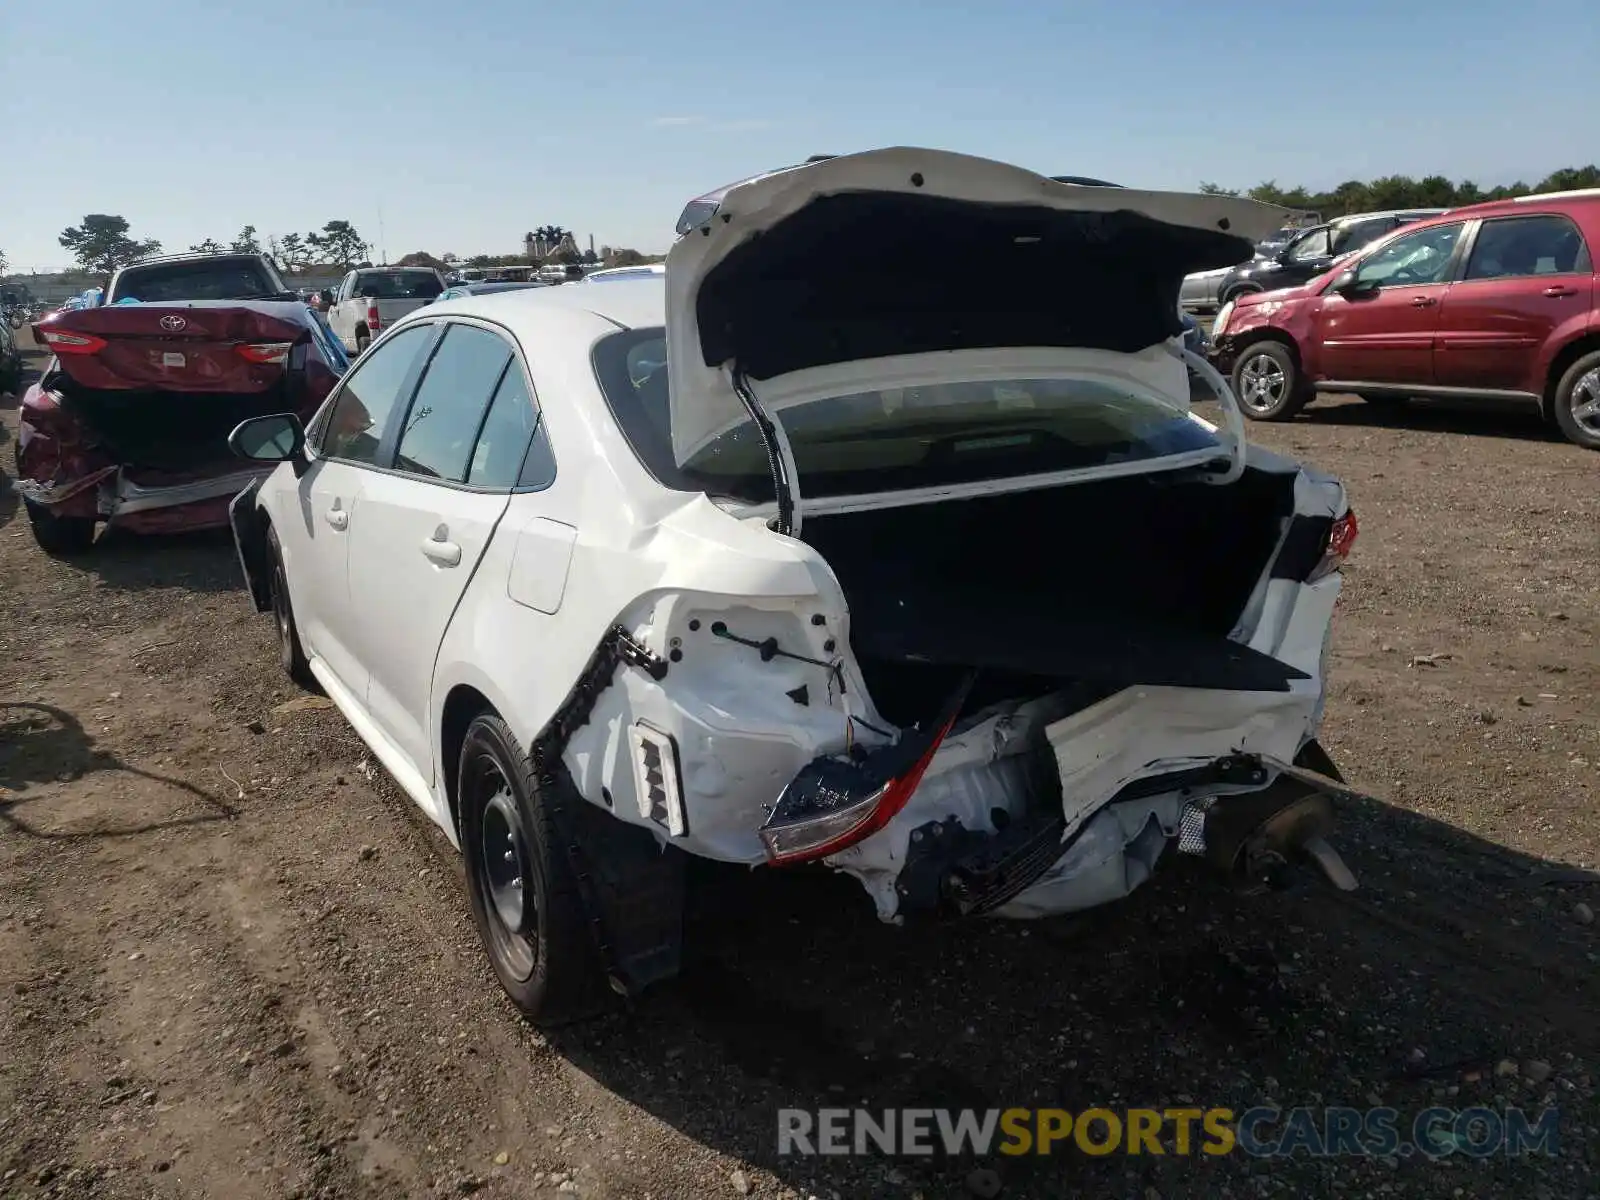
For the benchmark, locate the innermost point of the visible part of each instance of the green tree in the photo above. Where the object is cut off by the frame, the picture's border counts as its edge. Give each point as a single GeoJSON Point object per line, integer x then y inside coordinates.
{"type": "Point", "coordinates": [246, 241]}
{"type": "Point", "coordinates": [294, 251]}
{"type": "Point", "coordinates": [420, 258]}
{"type": "Point", "coordinates": [1216, 189]}
{"type": "Point", "coordinates": [590, 258]}
{"type": "Point", "coordinates": [625, 258]}
{"type": "Point", "coordinates": [1402, 191]}
{"type": "Point", "coordinates": [209, 246]}
{"type": "Point", "coordinates": [5, 263]}
{"type": "Point", "coordinates": [338, 244]}
{"type": "Point", "coordinates": [101, 243]}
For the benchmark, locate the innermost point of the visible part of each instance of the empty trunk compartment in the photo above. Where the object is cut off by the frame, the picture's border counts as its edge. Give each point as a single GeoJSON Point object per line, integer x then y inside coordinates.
{"type": "Point", "coordinates": [1093, 587]}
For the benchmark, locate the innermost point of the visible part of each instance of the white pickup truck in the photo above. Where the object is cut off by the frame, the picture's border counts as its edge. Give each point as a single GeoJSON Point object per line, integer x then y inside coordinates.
{"type": "Point", "coordinates": [370, 299]}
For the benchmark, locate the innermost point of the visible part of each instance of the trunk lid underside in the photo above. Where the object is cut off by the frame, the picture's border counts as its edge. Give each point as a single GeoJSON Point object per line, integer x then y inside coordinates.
{"type": "Point", "coordinates": [853, 259]}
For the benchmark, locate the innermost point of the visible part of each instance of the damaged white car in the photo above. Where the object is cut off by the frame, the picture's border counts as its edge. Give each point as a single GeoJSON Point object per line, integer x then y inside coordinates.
{"type": "Point", "coordinates": [816, 550]}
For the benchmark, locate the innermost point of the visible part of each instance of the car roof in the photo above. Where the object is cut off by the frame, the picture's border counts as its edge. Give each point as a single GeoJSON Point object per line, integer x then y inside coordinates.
{"type": "Point", "coordinates": [627, 303]}
{"type": "Point", "coordinates": [1515, 203]}
{"type": "Point", "coordinates": [191, 256]}
{"type": "Point", "coordinates": [366, 270]}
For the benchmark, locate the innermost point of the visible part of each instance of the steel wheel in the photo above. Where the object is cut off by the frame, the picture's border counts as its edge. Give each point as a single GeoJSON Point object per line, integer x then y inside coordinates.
{"type": "Point", "coordinates": [503, 878]}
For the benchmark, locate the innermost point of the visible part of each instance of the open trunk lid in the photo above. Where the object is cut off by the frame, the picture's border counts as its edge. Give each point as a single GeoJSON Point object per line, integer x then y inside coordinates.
{"type": "Point", "coordinates": [219, 346]}
{"type": "Point", "coordinates": [800, 284]}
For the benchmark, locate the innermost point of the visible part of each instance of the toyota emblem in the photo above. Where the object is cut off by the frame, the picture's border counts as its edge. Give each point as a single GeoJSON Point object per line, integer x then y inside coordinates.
{"type": "Point", "coordinates": [172, 322]}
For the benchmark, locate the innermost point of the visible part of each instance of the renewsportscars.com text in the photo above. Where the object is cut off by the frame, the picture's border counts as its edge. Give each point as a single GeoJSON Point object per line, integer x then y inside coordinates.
{"type": "Point", "coordinates": [1263, 1132]}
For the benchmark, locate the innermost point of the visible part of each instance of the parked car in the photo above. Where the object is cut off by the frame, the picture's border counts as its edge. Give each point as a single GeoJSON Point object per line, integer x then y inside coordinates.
{"type": "Point", "coordinates": [11, 369]}
{"type": "Point", "coordinates": [552, 273]}
{"type": "Point", "coordinates": [457, 290]}
{"type": "Point", "coordinates": [1200, 291]}
{"type": "Point", "coordinates": [1314, 251]}
{"type": "Point", "coordinates": [614, 274]}
{"type": "Point", "coordinates": [128, 425]}
{"type": "Point", "coordinates": [368, 300]}
{"type": "Point", "coordinates": [730, 565]}
{"type": "Point", "coordinates": [1497, 301]}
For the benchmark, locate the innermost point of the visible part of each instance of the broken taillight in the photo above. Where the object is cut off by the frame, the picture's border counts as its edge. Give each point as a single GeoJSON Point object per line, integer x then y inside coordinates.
{"type": "Point", "coordinates": [374, 318]}
{"type": "Point", "coordinates": [265, 352]}
{"type": "Point", "coordinates": [1341, 537]}
{"type": "Point", "coordinates": [802, 829]}
{"type": "Point", "coordinates": [71, 343]}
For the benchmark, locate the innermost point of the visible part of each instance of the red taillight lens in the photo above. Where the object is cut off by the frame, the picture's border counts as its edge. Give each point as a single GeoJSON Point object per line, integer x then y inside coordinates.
{"type": "Point", "coordinates": [374, 317]}
{"type": "Point", "coordinates": [1340, 540]}
{"type": "Point", "coordinates": [70, 343]}
{"type": "Point", "coordinates": [809, 838]}
{"type": "Point", "coordinates": [265, 352]}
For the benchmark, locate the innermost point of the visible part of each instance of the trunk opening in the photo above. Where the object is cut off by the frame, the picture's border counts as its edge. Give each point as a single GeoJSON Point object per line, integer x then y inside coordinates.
{"type": "Point", "coordinates": [1084, 589]}
{"type": "Point", "coordinates": [166, 430]}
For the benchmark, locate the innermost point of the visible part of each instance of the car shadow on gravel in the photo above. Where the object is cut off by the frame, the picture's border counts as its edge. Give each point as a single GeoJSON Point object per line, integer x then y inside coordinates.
{"type": "Point", "coordinates": [1475, 419]}
{"type": "Point", "coordinates": [203, 561]}
{"type": "Point", "coordinates": [1454, 955]}
{"type": "Point", "coordinates": [42, 745]}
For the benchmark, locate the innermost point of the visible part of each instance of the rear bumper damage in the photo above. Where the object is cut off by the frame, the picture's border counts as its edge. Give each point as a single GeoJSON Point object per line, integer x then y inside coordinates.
{"type": "Point", "coordinates": [134, 501]}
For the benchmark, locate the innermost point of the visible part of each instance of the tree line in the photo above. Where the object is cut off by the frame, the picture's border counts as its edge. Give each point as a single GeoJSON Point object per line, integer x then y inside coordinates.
{"type": "Point", "coordinates": [102, 242]}
{"type": "Point", "coordinates": [1402, 191]}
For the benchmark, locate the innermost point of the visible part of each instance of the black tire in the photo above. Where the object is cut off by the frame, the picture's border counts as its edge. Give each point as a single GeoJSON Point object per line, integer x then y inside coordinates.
{"type": "Point", "coordinates": [363, 340]}
{"type": "Point", "coordinates": [291, 655]}
{"type": "Point", "coordinates": [60, 537]}
{"type": "Point", "coordinates": [1267, 382]}
{"type": "Point", "coordinates": [1575, 406]}
{"type": "Point", "coordinates": [546, 960]}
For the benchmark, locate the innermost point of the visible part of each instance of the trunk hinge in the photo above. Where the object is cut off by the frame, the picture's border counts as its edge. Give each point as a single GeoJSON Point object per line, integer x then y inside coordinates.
{"type": "Point", "coordinates": [780, 455]}
{"type": "Point", "coordinates": [1230, 406]}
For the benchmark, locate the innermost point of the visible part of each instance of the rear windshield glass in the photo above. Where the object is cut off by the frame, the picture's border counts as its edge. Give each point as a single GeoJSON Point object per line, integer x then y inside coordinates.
{"type": "Point", "coordinates": [235, 279]}
{"type": "Point", "coordinates": [398, 285]}
{"type": "Point", "coordinates": [899, 438]}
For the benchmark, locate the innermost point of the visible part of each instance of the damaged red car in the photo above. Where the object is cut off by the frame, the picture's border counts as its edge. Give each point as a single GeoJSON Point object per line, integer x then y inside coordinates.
{"type": "Point", "coordinates": [128, 425]}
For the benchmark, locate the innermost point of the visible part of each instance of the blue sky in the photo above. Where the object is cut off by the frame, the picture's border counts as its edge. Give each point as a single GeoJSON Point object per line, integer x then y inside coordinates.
{"type": "Point", "coordinates": [465, 122]}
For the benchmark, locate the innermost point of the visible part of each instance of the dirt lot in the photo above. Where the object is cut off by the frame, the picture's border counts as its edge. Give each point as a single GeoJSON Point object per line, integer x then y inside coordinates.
{"type": "Point", "coordinates": [234, 962]}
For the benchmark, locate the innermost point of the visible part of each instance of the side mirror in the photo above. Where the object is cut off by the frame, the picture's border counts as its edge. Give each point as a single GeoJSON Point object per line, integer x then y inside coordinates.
{"type": "Point", "coordinates": [277, 437]}
{"type": "Point", "coordinates": [1349, 285]}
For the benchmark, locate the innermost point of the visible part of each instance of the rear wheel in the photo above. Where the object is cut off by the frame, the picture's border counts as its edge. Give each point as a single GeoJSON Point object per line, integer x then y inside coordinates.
{"type": "Point", "coordinates": [1577, 402]}
{"type": "Point", "coordinates": [60, 537]}
{"type": "Point", "coordinates": [1267, 381]}
{"type": "Point", "coordinates": [291, 655]}
{"type": "Point", "coordinates": [363, 340]}
{"type": "Point", "coordinates": [524, 899]}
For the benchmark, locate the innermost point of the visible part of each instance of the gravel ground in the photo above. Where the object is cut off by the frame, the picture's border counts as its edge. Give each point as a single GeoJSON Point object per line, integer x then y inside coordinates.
{"type": "Point", "coordinates": [235, 962]}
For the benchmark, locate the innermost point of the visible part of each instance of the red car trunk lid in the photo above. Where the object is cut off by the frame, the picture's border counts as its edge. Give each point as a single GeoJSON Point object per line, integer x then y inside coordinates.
{"type": "Point", "coordinates": [197, 347]}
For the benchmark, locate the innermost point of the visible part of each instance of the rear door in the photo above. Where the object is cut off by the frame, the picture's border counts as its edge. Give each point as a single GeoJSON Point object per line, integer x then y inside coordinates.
{"type": "Point", "coordinates": [347, 442]}
{"type": "Point", "coordinates": [1526, 276]}
{"type": "Point", "coordinates": [1386, 335]}
{"type": "Point", "coordinates": [424, 524]}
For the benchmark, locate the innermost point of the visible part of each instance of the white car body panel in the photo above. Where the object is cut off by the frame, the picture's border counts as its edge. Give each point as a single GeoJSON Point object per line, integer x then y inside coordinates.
{"type": "Point", "coordinates": [544, 575]}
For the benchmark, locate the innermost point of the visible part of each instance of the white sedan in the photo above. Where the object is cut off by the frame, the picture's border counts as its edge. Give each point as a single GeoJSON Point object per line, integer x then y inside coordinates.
{"type": "Point", "coordinates": [811, 552]}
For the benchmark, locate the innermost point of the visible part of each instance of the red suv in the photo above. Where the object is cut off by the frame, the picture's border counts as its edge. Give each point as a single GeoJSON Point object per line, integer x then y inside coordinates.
{"type": "Point", "coordinates": [1497, 300]}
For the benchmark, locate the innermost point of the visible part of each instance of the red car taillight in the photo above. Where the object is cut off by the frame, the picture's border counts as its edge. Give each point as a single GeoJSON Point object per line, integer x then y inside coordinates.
{"type": "Point", "coordinates": [374, 317]}
{"type": "Point", "coordinates": [1341, 537]}
{"type": "Point", "coordinates": [265, 352]}
{"type": "Point", "coordinates": [810, 836]}
{"type": "Point", "coordinates": [70, 343]}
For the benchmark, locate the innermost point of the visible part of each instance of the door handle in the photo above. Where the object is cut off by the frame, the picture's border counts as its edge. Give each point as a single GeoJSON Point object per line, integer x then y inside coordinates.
{"type": "Point", "coordinates": [1423, 302]}
{"type": "Point", "coordinates": [1557, 290]}
{"type": "Point", "coordinates": [338, 518]}
{"type": "Point", "coordinates": [441, 552]}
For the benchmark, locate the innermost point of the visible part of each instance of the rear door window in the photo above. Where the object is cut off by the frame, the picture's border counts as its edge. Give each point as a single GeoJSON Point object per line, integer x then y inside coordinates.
{"type": "Point", "coordinates": [1544, 244]}
{"type": "Point", "coordinates": [370, 395]}
{"type": "Point", "coordinates": [437, 438]}
{"type": "Point", "coordinates": [503, 456]}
